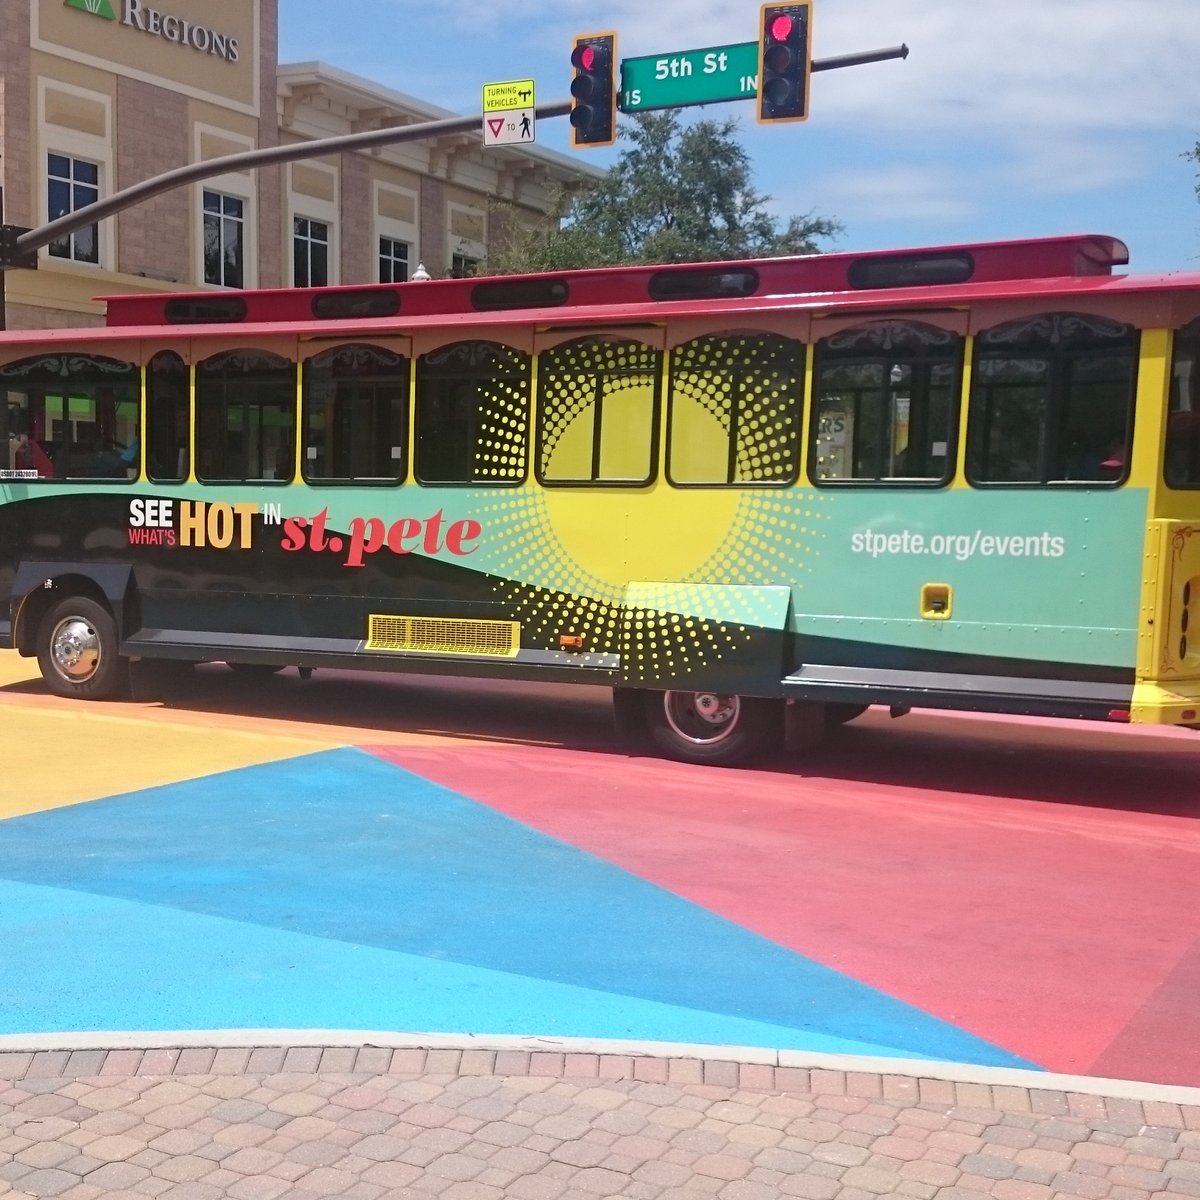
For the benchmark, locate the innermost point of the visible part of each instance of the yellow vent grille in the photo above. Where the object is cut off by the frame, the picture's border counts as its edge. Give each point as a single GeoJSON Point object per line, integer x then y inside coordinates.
{"type": "Point", "coordinates": [443, 635]}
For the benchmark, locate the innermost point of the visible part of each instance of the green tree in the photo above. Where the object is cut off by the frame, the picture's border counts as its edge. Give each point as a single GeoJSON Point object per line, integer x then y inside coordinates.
{"type": "Point", "coordinates": [676, 194]}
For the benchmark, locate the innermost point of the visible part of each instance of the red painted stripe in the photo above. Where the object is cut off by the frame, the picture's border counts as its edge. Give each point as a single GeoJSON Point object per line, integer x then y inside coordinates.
{"type": "Point", "coordinates": [1034, 884]}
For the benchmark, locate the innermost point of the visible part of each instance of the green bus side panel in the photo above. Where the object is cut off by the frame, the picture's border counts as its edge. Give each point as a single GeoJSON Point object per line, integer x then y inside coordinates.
{"type": "Point", "coordinates": [1042, 575]}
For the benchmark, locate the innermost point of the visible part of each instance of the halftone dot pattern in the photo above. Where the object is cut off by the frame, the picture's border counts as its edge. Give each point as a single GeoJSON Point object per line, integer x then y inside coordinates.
{"type": "Point", "coordinates": [580, 375]}
{"type": "Point", "coordinates": [752, 385]}
{"type": "Point", "coordinates": [503, 430]}
{"type": "Point", "coordinates": [666, 633]}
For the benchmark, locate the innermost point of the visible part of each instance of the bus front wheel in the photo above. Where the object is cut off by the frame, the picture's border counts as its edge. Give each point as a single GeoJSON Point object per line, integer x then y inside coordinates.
{"type": "Point", "coordinates": [717, 728]}
{"type": "Point", "coordinates": [77, 651]}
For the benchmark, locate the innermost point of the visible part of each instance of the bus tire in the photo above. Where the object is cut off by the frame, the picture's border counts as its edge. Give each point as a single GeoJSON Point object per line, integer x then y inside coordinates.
{"type": "Point", "coordinates": [717, 728]}
{"type": "Point", "coordinates": [841, 714]}
{"type": "Point", "coordinates": [77, 651]}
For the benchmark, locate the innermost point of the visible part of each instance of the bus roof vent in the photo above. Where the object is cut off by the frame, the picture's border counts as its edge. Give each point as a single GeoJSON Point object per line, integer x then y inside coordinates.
{"type": "Point", "coordinates": [911, 270]}
{"type": "Point", "coordinates": [362, 302]}
{"type": "Point", "coordinates": [202, 310]}
{"type": "Point", "coordinates": [498, 294]}
{"type": "Point", "coordinates": [703, 283]}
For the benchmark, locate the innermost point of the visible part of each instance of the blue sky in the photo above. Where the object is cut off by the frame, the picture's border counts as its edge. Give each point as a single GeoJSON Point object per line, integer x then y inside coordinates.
{"type": "Point", "coordinates": [1014, 119]}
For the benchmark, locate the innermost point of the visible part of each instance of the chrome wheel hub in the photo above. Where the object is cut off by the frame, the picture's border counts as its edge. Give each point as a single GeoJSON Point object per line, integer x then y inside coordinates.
{"type": "Point", "coordinates": [701, 717]}
{"type": "Point", "coordinates": [75, 648]}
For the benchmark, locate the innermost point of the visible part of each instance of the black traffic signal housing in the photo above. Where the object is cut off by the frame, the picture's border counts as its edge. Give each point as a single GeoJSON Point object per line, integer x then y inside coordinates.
{"type": "Point", "coordinates": [594, 90]}
{"type": "Point", "coordinates": [784, 61]}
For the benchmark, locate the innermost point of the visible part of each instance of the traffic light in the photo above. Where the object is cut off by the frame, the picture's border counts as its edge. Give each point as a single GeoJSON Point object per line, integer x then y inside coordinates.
{"type": "Point", "coordinates": [784, 60]}
{"type": "Point", "coordinates": [594, 90]}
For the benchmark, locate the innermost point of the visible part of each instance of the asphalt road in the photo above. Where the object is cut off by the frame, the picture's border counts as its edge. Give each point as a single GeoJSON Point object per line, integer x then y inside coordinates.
{"type": "Point", "coordinates": [363, 852]}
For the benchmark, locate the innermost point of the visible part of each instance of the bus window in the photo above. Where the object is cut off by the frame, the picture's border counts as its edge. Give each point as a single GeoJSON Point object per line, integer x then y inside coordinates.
{"type": "Point", "coordinates": [597, 411]}
{"type": "Point", "coordinates": [735, 410]}
{"type": "Point", "coordinates": [472, 419]}
{"type": "Point", "coordinates": [1183, 423]}
{"type": "Point", "coordinates": [355, 415]}
{"type": "Point", "coordinates": [884, 404]}
{"type": "Point", "coordinates": [168, 423]}
{"type": "Point", "coordinates": [245, 417]}
{"type": "Point", "coordinates": [1052, 401]}
{"type": "Point", "coordinates": [71, 416]}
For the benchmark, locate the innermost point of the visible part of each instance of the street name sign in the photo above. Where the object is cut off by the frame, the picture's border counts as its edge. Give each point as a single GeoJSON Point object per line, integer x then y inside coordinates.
{"type": "Point", "coordinates": [689, 77]}
{"type": "Point", "coordinates": [508, 113]}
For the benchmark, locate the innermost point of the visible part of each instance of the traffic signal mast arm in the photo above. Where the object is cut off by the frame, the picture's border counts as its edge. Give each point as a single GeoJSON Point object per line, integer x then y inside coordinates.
{"type": "Point", "coordinates": [19, 246]}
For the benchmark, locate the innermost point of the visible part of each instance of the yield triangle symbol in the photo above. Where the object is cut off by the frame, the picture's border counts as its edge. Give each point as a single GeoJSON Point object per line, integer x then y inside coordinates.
{"type": "Point", "coordinates": [495, 124]}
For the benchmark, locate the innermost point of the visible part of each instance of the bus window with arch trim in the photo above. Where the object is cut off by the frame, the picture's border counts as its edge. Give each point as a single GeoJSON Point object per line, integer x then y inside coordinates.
{"type": "Point", "coordinates": [1182, 463]}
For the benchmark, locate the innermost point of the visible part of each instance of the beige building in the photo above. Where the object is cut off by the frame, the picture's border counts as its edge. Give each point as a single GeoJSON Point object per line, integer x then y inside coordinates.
{"type": "Point", "coordinates": [97, 95]}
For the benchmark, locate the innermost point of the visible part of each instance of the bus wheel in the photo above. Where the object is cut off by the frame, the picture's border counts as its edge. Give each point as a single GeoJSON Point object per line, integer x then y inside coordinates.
{"type": "Point", "coordinates": [77, 651]}
{"type": "Point", "coordinates": [840, 714]}
{"type": "Point", "coordinates": [711, 727]}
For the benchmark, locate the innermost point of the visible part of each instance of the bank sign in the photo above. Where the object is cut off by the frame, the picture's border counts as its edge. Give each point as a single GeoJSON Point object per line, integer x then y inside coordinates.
{"type": "Point", "coordinates": [156, 23]}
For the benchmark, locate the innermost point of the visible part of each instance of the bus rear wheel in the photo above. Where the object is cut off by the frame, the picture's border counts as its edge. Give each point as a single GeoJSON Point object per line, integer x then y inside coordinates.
{"type": "Point", "coordinates": [77, 651]}
{"type": "Point", "coordinates": [718, 728]}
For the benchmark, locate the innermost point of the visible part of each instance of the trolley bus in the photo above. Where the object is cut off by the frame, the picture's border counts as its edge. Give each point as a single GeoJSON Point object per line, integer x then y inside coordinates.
{"type": "Point", "coordinates": [753, 498]}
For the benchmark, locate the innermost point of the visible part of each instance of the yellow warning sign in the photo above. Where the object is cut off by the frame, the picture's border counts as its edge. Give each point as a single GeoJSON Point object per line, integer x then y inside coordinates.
{"type": "Point", "coordinates": [503, 97]}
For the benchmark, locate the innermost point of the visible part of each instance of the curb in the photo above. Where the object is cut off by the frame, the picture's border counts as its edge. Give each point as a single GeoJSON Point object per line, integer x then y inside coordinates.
{"type": "Point", "coordinates": [539, 1055]}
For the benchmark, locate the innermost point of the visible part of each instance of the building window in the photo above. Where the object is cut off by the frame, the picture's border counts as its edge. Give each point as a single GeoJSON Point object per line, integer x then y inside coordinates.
{"type": "Point", "coordinates": [224, 239]}
{"type": "Point", "coordinates": [72, 184]}
{"type": "Point", "coordinates": [310, 252]}
{"type": "Point", "coordinates": [463, 266]}
{"type": "Point", "coordinates": [393, 260]}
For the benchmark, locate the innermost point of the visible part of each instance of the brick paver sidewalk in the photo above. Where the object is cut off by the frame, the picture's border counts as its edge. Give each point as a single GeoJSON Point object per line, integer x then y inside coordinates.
{"type": "Point", "coordinates": [366, 1122]}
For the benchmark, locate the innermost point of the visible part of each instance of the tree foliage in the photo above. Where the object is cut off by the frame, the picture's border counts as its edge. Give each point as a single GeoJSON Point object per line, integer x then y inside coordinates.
{"type": "Point", "coordinates": [676, 194]}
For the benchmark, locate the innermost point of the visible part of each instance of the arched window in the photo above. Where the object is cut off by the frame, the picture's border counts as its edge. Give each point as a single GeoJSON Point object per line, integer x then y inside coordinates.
{"type": "Point", "coordinates": [472, 417]}
{"type": "Point", "coordinates": [734, 410]}
{"type": "Point", "coordinates": [1182, 467]}
{"type": "Point", "coordinates": [1052, 401]}
{"type": "Point", "coordinates": [597, 412]}
{"type": "Point", "coordinates": [168, 419]}
{"type": "Point", "coordinates": [885, 402]}
{"type": "Point", "coordinates": [355, 415]}
{"type": "Point", "coordinates": [245, 417]}
{"type": "Point", "coordinates": [71, 416]}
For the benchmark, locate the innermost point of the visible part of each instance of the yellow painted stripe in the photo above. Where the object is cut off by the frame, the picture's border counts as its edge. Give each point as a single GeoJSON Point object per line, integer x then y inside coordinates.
{"type": "Point", "coordinates": [72, 751]}
{"type": "Point", "coordinates": [63, 760]}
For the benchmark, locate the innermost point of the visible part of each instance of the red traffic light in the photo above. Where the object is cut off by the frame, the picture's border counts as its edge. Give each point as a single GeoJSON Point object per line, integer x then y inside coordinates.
{"type": "Point", "coordinates": [784, 47]}
{"type": "Point", "coordinates": [594, 90]}
{"type": "Point", "coordinates": [584, 58]}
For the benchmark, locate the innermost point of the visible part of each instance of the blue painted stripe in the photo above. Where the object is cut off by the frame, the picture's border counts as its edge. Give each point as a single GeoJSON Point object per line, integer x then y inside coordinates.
{"type": "Point", "coordinates": [92, 963]}
{"type": "Point", "coordinates": [343, 846]}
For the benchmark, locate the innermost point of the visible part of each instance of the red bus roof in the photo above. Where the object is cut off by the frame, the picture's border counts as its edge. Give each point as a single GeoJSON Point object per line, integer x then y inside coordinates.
{"type": "Point", "coordinates": [1073, 258]}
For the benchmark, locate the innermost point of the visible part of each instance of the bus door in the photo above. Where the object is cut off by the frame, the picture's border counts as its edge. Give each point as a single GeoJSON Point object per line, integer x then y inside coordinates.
{"type": "Point", "coordinates": [1169, 645]}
